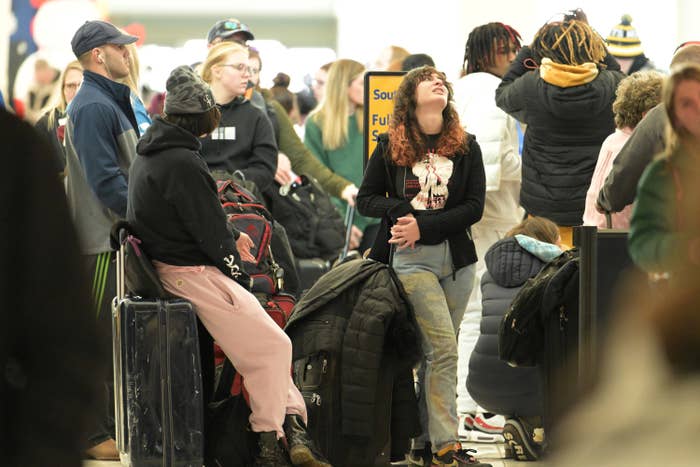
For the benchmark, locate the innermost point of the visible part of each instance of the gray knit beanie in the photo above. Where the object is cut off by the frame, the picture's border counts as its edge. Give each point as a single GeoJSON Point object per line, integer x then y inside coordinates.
{"type": "Point", "coordinates": [186, 93]}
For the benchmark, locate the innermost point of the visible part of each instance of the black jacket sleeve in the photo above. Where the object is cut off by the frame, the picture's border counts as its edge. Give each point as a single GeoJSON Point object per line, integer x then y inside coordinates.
{"type": "Point", "coordinates": [262, 162]}
{"type": "Point", "coordinates": [192, 190]}
{"type": "Point", "coordinates": [511, 93]}
{"type": "Point", "coordinates": [372, 199]}
{"type": "Point", "coordinates": [458, 218]}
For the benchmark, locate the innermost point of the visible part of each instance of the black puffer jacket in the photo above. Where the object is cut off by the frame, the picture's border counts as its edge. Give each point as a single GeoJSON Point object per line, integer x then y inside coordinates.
{"type": "Point", "coordinates": [493, 384]}
{"type": "Point", "coordinates": [565, 128]}
{"type": "Point", "coordinates": [360, 315]}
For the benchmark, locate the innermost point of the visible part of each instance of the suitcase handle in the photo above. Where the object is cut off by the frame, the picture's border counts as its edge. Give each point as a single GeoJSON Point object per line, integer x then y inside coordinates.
{"type": "Point", "coordinates": [349, 217]}
{"type": "Point", "coordinates": [120, 264]}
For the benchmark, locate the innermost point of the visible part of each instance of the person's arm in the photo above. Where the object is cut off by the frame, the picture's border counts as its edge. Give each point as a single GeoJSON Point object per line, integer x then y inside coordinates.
{"type": "Point", "coordinates": [303, 162]}
{"type": "Point", "coordinates": [460, 217]}
{"type": "Point", "coordinates": [646, 141]}
{"type": "Point", "coordinates": [262, 161]}
{"type": "Point", "coordinates": [654, 241]}
{"type": "Point", "coordinates": [96, 145]}
{"type": "Point", "coordinates": [372, 200]}
{"type": "Point", "coordinates": [511, 93]}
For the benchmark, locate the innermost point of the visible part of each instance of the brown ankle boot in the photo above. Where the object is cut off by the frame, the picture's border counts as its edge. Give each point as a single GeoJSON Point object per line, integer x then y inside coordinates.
{"type": "Point", "coordinates": [105, 451]}
{"type": "Point", "coordinates": [272, 454]}
{"type": "Point", "coordinates": [302, 449]}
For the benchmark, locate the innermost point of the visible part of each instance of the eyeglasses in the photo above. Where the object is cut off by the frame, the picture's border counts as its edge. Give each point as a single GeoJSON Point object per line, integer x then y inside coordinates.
{"type": "Point", "coordinates": [242, 67]}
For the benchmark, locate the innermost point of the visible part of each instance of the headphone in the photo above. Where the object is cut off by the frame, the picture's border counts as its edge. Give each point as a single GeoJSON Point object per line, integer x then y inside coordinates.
{"type": "Point", "coordinates": [99, 57]}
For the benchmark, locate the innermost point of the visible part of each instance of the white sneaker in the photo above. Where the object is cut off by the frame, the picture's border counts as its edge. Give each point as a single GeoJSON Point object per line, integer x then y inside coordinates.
{"type": "Point", "coordinates": [476, 436]}
{"type": "Point", "coordinates": [492, 424]}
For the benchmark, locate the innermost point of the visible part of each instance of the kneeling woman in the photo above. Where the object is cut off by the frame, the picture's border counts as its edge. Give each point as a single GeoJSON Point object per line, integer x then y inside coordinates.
{"type": "Point", "coordinates": [433, 174]}
{"type": "Point", "coordinates": [174, 209]}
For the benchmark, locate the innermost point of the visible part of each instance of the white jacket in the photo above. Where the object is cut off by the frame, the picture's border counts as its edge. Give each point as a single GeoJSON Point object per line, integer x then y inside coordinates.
{"type": "Point", "coordinates": [496, 133]}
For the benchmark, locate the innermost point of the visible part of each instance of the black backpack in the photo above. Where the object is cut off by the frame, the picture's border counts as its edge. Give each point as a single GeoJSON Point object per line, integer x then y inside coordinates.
{"type": "Point", "coordinates": [521, 334]}
{"type": "Point", "coordinates": [313, 224]}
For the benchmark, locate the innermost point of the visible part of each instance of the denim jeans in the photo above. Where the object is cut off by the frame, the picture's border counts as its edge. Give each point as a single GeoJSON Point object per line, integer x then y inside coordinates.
{"type": "Point", "coordinates": [439, 296]}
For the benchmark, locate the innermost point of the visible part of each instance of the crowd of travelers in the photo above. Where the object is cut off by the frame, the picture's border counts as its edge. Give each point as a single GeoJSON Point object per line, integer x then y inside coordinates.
{"type": "Point", "coordinates": [473, 189]}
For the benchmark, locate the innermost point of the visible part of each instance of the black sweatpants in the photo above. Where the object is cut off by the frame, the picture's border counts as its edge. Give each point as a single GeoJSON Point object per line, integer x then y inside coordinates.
{"type": "Point", "coordinates": [103, 271]}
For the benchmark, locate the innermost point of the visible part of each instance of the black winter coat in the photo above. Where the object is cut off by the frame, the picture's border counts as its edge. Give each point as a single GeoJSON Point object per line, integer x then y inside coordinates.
{"type": "Point", "coordinates": [359, 313]}
{"type": "Point", "coordinates": [565, 128]}
{"type": "Point", "coordinates": [492, 383]}
{"type": "Point", "coordinates": [50, 342]}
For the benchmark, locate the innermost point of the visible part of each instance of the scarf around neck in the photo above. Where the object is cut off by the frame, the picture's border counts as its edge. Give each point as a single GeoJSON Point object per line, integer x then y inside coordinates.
{"type": "Point", "coordinates": [566, 76]}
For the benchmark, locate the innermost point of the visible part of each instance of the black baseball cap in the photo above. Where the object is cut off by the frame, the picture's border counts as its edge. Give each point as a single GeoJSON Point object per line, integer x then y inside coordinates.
{"type": "Point", "coordinates": [227, 28]}
{"type": "Point", "coordinates": [96, 33]}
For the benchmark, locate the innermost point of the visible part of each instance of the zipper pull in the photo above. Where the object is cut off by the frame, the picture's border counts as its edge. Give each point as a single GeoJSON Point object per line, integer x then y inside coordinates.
{"type": "Point", "coordinates": [324, 367]}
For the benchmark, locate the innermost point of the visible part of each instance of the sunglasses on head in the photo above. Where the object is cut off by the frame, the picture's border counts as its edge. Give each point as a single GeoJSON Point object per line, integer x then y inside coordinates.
{"type": "Point", "coordinates": [568, 15]}
{"type": "Point", "coordinates": [234, 26]}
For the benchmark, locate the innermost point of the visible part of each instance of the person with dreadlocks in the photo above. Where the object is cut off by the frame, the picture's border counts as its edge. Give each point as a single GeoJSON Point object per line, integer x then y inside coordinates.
{"type": "Point", "coordinates": [562, 87]}
{"type": "Point", "coordinates": [426, 181]}
{"type": "Point", "coordinates": [488, 53]}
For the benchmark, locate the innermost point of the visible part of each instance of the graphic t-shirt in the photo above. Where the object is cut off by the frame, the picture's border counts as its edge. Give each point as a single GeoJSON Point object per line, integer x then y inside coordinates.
{"type": "Point", "coordinates": [425, 184]}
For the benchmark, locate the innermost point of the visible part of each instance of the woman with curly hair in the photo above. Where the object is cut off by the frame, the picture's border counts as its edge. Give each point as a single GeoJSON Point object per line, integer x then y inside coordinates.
{"type": "Point", "coordinates": [426, 182]}
{"type": "Point", "coordinates": [562, 87]}
{"type": "Point", "coordinates": [636, 95]}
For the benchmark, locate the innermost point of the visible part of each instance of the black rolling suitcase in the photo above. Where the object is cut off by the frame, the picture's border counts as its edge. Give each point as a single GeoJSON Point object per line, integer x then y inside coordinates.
{"type": "Point", "coordinates": [159, 410]}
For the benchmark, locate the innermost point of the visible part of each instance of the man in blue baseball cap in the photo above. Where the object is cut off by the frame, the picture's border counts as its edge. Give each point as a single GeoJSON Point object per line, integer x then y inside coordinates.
{"type": "Point", "coordinates": [100, 138]}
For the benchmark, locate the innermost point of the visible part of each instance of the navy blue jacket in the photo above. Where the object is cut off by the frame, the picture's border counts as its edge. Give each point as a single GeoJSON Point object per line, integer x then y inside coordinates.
{"type": "Point", "coordinates": [101, 135]}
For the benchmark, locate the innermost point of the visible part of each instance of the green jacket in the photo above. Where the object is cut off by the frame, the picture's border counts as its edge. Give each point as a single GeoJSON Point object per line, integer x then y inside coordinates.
{"type": "Point", "coordinates": [657, 238]}
{"type": "Point", "coordinates": [303, 162]}
{"type": "Point", "coordinates": [345, 161]}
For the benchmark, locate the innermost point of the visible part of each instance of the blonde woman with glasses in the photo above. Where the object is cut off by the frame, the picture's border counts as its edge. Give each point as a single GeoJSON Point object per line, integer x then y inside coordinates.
{"type": "Point", "coordinates": [53, 122]}
{"type": "Point", "coordinates": [244, 142]}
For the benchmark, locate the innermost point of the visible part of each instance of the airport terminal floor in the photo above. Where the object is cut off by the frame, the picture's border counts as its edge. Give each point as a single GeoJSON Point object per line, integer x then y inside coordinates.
{"type": "Point", "coordinates": [492, 453]}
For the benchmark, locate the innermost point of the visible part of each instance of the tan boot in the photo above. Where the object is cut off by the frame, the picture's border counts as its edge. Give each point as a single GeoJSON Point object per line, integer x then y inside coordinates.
{"type": "Point", "coordinates": [105, 451]}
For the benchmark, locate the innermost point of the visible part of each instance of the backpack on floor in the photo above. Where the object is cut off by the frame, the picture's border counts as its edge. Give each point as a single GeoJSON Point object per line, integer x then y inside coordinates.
{"type": "Point", "coordinates": [521, 333]}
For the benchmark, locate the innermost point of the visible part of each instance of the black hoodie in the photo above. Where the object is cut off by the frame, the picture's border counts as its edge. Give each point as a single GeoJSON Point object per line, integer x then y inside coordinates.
{"type": "Point", "coordinates": [244, 141]}
{"type": "Point", "coordinates": [173, 205]}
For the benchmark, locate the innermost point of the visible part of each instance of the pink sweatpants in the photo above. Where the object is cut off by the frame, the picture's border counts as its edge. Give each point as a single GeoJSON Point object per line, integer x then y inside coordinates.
{"type": "Point", "coordinates": [254, 343]}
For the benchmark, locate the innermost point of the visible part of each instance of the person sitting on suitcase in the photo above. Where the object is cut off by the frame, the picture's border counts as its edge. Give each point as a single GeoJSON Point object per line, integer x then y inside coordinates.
{"type": "Point", "coordinates": [433, 173]}
{"type": "Point", "coordinates": [174, 209]}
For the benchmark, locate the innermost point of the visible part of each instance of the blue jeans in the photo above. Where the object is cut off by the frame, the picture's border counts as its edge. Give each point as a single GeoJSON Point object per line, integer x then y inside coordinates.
{"type": "Point", "coordinates": [439, 296]}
